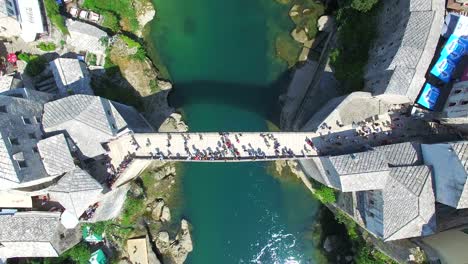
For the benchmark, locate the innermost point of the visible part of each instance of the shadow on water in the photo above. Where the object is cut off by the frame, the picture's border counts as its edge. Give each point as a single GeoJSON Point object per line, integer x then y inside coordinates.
{"type": "Point", "coordinates": [262, 100]}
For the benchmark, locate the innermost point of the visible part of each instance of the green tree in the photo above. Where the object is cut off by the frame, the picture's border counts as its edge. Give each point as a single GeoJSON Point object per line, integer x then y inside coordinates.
{"type": "Point", "coordinates": [53, 13]}
{"type": "Point", "coordinates": [325, 194]}
{"type": "Point", "coordinates": [363, 5]}
{"type": "Point", "coordinates": [79, 254]}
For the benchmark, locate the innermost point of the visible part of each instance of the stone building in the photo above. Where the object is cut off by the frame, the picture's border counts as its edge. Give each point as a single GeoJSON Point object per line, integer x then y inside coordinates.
{"type": "Point", "coordinates": [21, 18]}
{"type": "Point", "coordinates": [408, 34]}
{"type": "Point", "coordinates": [455, 111]}
{"type": "Point", "coordinates": [87, 38]}
{"type": "Point", "coordinates": [20, 128]}
{"type": "Point", "coordinates": [71, 77]}
{"type": "Point", "coordinates": [450, 163]}
{"type": "Point", "coordinates": [386, 190]}
{"type": "Point", "coordinates": [81, 116]}
{"type": "Point", "coordinates": [35, 234]}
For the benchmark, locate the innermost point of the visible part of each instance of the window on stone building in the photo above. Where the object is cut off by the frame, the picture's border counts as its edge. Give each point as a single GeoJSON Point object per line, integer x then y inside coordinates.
{"type": "Point", "coordinates": [22, 164]}
{"type": "Point", "coordinates": [113, 126]}
{"type": "Point", "coordinates": [452, 104]}
{"type": "Point", "coordinates": [32, 136]}
{"type": "Point", "coordinates": [457, 91]}
{"type": "Point", "coordinates": [26, 121]}
{"type": "Point", "coordinates": [38, 119]}
{"type": "Point", "coordinates": [14, 141]}
{"type": "Point", "coordinates": [3, 109]}
{"type": "Point", "coordinates": [35, 150]}
{"type": "Point", "coordinates": [464, 102]}
{"type": "Point", "coordinates": [371, 214]}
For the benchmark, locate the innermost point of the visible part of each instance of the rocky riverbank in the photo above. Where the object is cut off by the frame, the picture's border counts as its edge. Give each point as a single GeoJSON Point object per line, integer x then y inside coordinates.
{"type": "Point", "coordinates": [152, 203]}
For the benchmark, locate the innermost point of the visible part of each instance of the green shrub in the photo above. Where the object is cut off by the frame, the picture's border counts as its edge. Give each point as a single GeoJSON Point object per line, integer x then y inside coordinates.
{"type": "Point", "coordinates": [140, 54]}
{"type": "Point", "coordinates": [80, 253]}
{"type": "Point", "coordinates": [351, 227]}
{"type": "Point", "coordinates": [325, 194]}
{"type": "Point", "coordinates": [363, 5]}
{"type": "Point", "coordinates": [133, 208]}
{"type": "Point", "coordinates": [53, 13]}
{"type": "Point", "coordinates": [368, 255]}
{"type": "Point", "coordinates": [153, 84]}
{"type": "Point", "coordinates": [123, 11]}
{"type": "Point", "coordinates": [356, 33]}
{"type": "Point", "coordinates": [35, 64]}
{"type": "Point", "coordinates": [110, 21]}
{"type": "Point", "coordinates": [92, 59]}
{"type": "Point", "coordinates": [24, 57]}
{"type": "Point", "coordinates": [130, 42]}
{"type": "Point", "coordinates": [47, 46]}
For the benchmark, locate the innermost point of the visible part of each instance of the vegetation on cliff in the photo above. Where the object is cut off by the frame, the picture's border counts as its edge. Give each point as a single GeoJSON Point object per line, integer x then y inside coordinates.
{"type": "Point", "coordinates": [53, 12]}
{"type": "Point", "coordinates": [304, 14]}
{"type": "Point", "coordinates": [356, 33]}
{"type": "Point", "coordinates": [35, 63]}
{"type": "Point", "coordinates": [114, 11]}
{"type": "Point", "coordinates": [366, 253]}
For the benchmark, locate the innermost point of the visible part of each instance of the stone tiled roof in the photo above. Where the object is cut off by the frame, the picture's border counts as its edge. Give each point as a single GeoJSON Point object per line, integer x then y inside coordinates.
{"type": "Point", "coordinates": [378, 159]}
{"type": "Point", "coordinates": [56, 155]}
{"type": "Point", "coordinates": [5, 82]}
{"type": "Point", "coordinates": [71, 76]}
{"type": "Point", "coordinates": [20, 131]}
{"type": "Point", "coordinates": [412, 177]}
{"type": "Point", "coordinates": [76, 191]}
{"type": "Point", "coordinates": [461, 149]}
{"type": "Point", "coordinates": [408, 36]}
{"type": "Point", "coordinates": [86, 37]}
{"type": "Point", "coordinates": [361, 162]}
{"type": "Point", "coordinates": [35, 234]}
{"type": "Point", "coordinates": [76, 180]}
{"type": "Point", "coordinates": [401, 154]}
{"type": "Point", "coordinates": [85, 115]}
{"type": "Point", "coordinates": [405, 207]}
{"type": "Point", "coordinates": [29, 227]}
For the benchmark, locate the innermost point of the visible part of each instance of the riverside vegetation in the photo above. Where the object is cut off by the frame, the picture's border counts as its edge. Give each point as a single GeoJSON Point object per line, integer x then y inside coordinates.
{"type": "Point", "coordinates": [304, 14]}
{"type": "Point", "coordinates": [356, 33]}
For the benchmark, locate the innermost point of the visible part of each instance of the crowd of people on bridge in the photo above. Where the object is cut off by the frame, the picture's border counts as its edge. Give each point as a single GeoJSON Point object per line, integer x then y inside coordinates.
{"type": "Point", "coordinates": [230, 146]}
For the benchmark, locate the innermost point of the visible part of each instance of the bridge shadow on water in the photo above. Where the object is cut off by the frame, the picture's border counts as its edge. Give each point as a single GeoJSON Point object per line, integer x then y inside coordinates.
{"type": "Point", "coordinates": [262, 100]}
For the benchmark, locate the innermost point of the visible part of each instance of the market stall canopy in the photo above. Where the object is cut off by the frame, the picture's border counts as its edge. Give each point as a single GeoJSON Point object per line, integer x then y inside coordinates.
{"type": "Point", "coordinates": [98, 257]}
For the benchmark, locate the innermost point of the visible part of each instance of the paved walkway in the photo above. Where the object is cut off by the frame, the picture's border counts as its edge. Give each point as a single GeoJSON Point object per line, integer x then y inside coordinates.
{"type": "Point", "coordinates": [259, 146]}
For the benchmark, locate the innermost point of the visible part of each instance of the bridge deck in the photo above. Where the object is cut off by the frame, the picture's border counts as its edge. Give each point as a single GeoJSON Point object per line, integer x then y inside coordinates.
{"type": "Point", "coordinates": [258, 146]}
{"type": "Point", "coordinates": [245, 146]}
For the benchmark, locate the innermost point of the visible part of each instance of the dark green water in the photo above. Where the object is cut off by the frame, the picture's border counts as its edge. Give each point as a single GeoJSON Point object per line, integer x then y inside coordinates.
{"type": "Point", "coordinates": [226, 78]}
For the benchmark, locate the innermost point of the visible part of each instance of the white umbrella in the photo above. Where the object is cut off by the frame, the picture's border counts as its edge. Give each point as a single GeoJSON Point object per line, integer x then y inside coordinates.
{"type": "Point", "coordinates": [68, 220]}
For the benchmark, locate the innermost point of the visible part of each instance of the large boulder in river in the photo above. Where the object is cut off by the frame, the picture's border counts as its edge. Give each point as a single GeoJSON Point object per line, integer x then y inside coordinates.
{"type": "Point", "coordinates": [299, 35]}
{"type": "Point", "coordinates": [165, 214]}
{"type": "Point", "coordinates": [182, 245]}
{"type": "Point", "coordinates": [326, 23]}
{"type": "Point", "coordinates": [294, 10]}
{"type": "Point", "coordinates": [157, 210]}
{"type": "Point", "coordinates": [175, 251]}
{"type": "Point", "coordinates": [164, 85]}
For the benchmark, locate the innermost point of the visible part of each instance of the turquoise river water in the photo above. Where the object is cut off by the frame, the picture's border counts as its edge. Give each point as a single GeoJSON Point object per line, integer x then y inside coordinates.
{"type": "Point", "coordinates": [220, 57]}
